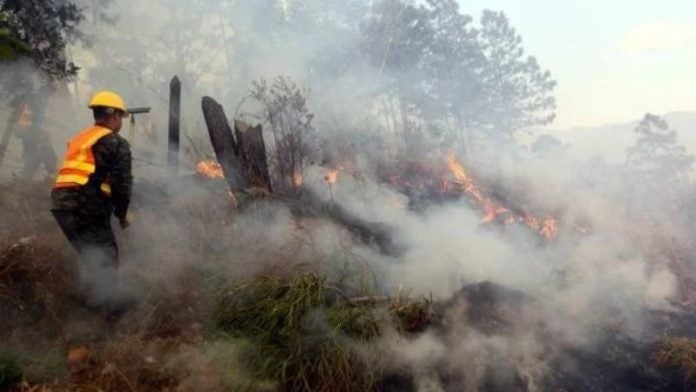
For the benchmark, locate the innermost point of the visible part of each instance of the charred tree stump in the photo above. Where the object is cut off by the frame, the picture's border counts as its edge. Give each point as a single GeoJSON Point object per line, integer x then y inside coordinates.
{"type": "Point", "coordinates": [174, 125]}
{"type": "Point", "coordinates": [223, 142]}
{"type": "Point", "coordinates": [251, 150]}
{"type": "Point", "coordinates": [244, 163]}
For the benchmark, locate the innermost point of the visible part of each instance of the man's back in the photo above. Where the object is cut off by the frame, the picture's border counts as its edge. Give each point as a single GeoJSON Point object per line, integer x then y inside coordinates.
{"type": "Point", "coordinates": [112, 158]}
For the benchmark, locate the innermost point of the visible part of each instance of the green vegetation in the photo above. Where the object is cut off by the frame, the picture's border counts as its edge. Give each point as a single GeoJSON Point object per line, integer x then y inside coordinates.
{"type": "Point", "coordinates": [10, 370]}
{"type": "Point", "coordinates": [10, 46]}
{"type": "Point", "coordinates": [306, 333]}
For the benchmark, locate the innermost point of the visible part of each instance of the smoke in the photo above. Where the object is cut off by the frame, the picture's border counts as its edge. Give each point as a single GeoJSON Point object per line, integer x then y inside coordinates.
{"type": "Point", "coordinates": [591, 277]}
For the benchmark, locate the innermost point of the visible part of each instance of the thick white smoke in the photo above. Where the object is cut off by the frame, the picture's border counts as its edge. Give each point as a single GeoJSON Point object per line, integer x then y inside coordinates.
{"type": "Point", "coordinates": [592, 276]}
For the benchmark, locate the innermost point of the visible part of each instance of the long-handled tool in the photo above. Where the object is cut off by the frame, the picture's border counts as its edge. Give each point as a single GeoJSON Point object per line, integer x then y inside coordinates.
{"type": "Point", "coordinates": [131, 128]}
{"type": "Point", "coordinates": [131, 140]}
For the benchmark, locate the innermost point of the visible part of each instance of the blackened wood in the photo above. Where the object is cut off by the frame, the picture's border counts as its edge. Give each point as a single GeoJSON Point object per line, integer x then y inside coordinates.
{"type": "Point", "coordinates": [371, 233]}
{"type": "Point", "coordinates": [174, 124]}
{"type": "Point", "coordinates": [252, 152]}
{"type": "Point", "coordinates": [223, 143]}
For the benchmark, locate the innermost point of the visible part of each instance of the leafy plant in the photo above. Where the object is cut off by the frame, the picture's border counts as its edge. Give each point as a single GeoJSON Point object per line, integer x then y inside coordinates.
{"type": "Point", "coordinates": [282, 108]}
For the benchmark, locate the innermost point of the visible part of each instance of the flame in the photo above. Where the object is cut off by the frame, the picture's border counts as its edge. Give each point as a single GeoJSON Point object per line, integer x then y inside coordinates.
{"type": "Point", "coordinates": [493, 209]}
{"type": "Point", "coordinates": [547, 227]}
{"type": "Point", "coordinates": [331, 176]}
{"type": "Point", "coordinates": [297, 179]}
{"type": "Point", "coordinates": [210, 168]}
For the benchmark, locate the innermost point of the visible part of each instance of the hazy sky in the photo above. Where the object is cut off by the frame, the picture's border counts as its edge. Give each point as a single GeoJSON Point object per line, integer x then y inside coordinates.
{"type": "Point", "coordinates": [614, 60]}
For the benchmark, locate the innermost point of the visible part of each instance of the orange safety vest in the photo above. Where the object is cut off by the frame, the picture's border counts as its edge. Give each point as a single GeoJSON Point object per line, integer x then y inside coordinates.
{"type": "Point", "coordinates": [26, 117]}
{"type": "Point", "coordinates": [79, 162]}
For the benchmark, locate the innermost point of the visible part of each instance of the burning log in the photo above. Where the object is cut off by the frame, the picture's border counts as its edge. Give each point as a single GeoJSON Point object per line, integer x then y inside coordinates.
{"type": "Point", "coordinates": [224, 145]}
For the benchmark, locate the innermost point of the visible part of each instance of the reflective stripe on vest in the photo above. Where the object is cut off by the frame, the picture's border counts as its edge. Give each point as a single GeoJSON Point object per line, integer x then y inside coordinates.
{"type": "Point", "coordinates": [26, 118]}
{"type": "Point", "coordinates": [79, 162]}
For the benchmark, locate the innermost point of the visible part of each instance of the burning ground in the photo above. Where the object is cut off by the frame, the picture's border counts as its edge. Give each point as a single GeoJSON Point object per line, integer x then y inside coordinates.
{"type": "Point", "coordinates": [472, 293]}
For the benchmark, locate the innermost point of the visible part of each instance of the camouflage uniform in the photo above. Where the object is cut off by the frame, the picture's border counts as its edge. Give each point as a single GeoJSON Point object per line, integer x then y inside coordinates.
{"type": "Point", "coordinates": [84, 213]}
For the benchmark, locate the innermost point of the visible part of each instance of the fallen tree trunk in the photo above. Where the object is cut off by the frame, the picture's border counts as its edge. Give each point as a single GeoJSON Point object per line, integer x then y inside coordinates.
{"type": "Point", "coordinates": [371, 233]}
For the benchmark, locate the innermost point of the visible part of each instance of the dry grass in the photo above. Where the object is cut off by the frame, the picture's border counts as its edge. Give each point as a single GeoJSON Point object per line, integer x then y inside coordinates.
{"type": "Point", "coordinates": [35, 280]}
{"type": "Point", "coordinates": [129, 363]}
{"type": "Point", "coordinates": [25, 209]}
{"type": "Point", "coordinates": [679, 354]}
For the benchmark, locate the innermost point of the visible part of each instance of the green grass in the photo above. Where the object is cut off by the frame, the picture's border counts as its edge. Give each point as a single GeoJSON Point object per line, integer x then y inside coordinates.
{"type": "Point", "coordinates": [303, 332]}
{"type": "Point", "coordinates": [10, 369]}
{"type": "Point", "coordinates": [34, 366]}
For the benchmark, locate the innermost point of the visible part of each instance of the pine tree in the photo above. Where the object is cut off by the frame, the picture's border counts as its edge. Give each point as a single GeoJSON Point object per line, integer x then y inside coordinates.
{"type": "Point", "coordinates": [657, 156]}
{"type": "Point", "coordinates": [517, 91]}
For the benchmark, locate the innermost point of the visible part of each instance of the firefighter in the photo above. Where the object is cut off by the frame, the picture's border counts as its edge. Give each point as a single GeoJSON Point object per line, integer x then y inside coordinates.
{"type": "Point", "coordinates": [94, 182]}
{"type": "Point", "coordinates": [37, 149]}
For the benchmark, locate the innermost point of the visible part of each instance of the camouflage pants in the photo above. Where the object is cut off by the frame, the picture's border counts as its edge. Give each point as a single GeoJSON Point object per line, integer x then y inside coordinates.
{"type": "Point", "coordinates": [94, 240]}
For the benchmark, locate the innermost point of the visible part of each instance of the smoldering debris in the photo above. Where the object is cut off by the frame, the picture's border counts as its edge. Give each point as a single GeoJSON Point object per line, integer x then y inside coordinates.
{"type": "Point", "coordinates": [484, 336]}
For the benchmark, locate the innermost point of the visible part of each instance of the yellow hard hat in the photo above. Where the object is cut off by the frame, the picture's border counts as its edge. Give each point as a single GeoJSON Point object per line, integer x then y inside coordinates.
{"type": "Point", "coordinates": [107, 99]}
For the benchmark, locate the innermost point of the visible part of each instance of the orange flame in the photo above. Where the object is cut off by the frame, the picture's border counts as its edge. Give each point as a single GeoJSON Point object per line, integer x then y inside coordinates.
{"type": "Point", "coordinates": [491, 209]}
{"type": "Point", "coordinates": [210, 168]}
{"type": "Point", "coordinates": [297, 179]}
{"type": "Point", "coordinates": [331, 176]}
{"type": "Point", "coordinates": [547, 227]}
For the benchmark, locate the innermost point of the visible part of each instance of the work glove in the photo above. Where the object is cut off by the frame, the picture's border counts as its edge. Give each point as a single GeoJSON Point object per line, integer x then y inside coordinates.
{"type": "Point", "coordinates": [124, 223]}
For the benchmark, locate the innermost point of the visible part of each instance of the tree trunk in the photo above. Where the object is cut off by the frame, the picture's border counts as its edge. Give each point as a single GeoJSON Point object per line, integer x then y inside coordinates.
{"type": "Point", "coordinates": [174, 125]}
{"type": "Point", "coordinates": [245, 165]}
{"type": "Point", "coordinates": [251, 150]}
{"type": "Point", "coordinates": [224, 145]}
